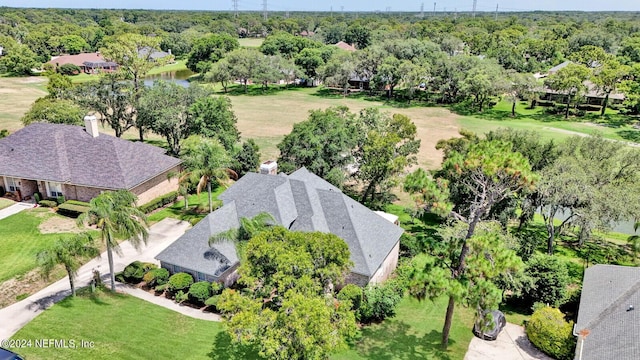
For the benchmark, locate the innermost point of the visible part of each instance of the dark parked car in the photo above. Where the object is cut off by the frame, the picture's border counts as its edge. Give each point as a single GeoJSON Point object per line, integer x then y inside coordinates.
{"type": "Point", "coordinates": [9, 355]}
{"type": "Point", "coordinates": [490, 326]}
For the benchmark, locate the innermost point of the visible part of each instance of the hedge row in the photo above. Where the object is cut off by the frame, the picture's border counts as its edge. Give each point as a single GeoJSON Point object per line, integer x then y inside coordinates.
{"type": "Point", "coordinates": [159, 202]}
{"type": "Point", "coordinates": [71, 210]}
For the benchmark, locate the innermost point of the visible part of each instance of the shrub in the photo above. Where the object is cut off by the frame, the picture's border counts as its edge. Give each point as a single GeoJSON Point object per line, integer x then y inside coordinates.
{"type": "Point", "coordinates": [3, 191]}
{"type": "Point", "coordinates": [216, 288]}
{"type": "Point", "coordinates": [161, 288]}
{"type": "Point", "coordinates": [352, 293]}
{"type": "Point", "coordinates": [379, 302]}
{"type": "Point", "coordinates": [212, 301]}
{"type": "Point", "coordinates": [181, 297]}
{"type": "Point", "coordinates": [159, 202]}
{"type": "Point", "coordinates": [48, 203]}
{"type": "Point", "coordinates": [134, 272]}
{"type": "Point", "coordinates": [545, 103]}
{"type": "Point", "coordinates": [199, 292]}
{"type": "Point", "coordinates": [179, 281]}
{"type": "Point", "coordinates": [549, 332]}
{"type": "Point", "coordinates": [589, 107]}
{"type": "Point", "coordinates": [120, 277]}
{"type": "Point", "coordinates": [69, 69]}
{"type": "Point", "coordinates": [60, 199]}
{"type": "Point", "coordinates": [77, 202]}
{"type": "Point", "coordinates": [550, 280]}
{"type": "Point", "coordinates": [155, 277]}
{"type": "Point", "coordinates": [72, 210]}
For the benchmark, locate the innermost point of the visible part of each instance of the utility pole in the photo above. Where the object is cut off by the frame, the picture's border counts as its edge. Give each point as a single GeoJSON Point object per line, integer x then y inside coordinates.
{"type": "Point", "coordinates": [496, 17]}
{"type": "Point", "coordinates": [264, 10]}
{"type": "Point", "coordinates": [422, 11]}
{"type": "Point", "coordinates": [434, 9]}
{"type": "Point", "coordinates": [235, 8]}
{"type": "Point", "coordinates": [475, 2]}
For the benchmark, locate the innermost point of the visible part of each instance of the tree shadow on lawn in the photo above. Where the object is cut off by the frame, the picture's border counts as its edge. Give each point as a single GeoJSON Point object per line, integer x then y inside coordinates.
{"type": "Point", "coordinates": [630, 135]}
{"type": "Point", "coordinates": [224, 349]}
{"type": "Point", "coordinates": [259, 90]}
{"type": "Point", "coordinates": [393, 340]}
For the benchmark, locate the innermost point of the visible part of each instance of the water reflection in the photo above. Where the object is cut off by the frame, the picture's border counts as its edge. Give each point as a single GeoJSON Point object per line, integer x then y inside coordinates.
{"type": "Point", "coordinates": [179, 77]}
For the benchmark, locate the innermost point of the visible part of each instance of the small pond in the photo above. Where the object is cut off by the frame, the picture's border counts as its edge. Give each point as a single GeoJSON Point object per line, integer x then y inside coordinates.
{"type": "Point", "coordinates": [179, 77]}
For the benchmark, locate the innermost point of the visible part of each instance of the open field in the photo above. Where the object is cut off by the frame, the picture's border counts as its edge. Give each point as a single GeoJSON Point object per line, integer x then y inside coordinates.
{"type": "Point", "coordinates": [16, 96]}
{"type": "Point", "coordinates": [268, 117]}
{"type": "Point", "coordinates": [125, 327]}
{"type": "Point", "coordinates": [251, 42]}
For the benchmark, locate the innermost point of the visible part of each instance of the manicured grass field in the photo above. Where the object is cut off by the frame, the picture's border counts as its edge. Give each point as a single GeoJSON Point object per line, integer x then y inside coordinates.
{"type": "Point", "coordinates": [124, 327]}
{"type": "Point", "coordinates": [4, 203]}
{"type": "Point", "coordinates": [121, 327]}
{"type": "Point", "coordinates": [20, 240]}
{"type": "Point", "coordinates": [16, 96]}
{"type": "Point", "coordinates": [177, 66]}
{"type": "Point", "coordinates": [415, 333]}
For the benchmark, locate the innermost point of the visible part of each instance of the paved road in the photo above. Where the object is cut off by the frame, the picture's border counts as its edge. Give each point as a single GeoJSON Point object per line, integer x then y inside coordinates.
{"type": "Point", "coordinates": [14, 209]}
{"type": "Point", "coordinates": [161, 235]}
{"type": "Point", "coordinates": [512, 344]}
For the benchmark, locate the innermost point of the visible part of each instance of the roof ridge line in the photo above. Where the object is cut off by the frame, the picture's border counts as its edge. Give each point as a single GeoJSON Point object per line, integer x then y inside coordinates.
{"type": "Point", "coordinates": [609, 309]}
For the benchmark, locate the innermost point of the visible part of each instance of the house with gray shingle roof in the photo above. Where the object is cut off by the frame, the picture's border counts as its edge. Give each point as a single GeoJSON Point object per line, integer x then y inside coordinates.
{"type": "Point", "coordinates": [79, 163]}
{"type": "Point", "coordinates": [608, 324]}
{"type": "Point", "coordinates": [300, 201]}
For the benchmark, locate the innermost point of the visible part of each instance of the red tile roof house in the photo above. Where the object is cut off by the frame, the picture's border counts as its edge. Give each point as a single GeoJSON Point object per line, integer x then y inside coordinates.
{"type": "Point", "coordinates": [89, 63]}
{"type": "Point", "coordinates": [79, 163]}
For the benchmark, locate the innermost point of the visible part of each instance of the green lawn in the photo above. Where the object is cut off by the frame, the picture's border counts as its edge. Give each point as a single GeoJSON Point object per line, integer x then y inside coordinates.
{"type": "Point", "coordinates": [21, 240]}
{"type": "Point", "coordinates": [414, 333]}
{"type": "Point", "coordinates": [176, 66]}
{"type": "Point", "coordinates": [124, 327]}
{"type": "Point", "coordinates": [121, 327]}
{"type": "Point", "coordinates": [5, 203]}
{"type": "Point", "coordinates": [195, 201]}
{"type": "Point", "coordinates": [612, 126]}
{"type": "Point", "coordinates": [251, 42]}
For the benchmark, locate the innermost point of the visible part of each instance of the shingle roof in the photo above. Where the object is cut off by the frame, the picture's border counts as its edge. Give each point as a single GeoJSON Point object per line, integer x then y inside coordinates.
{"type": "Point", "coordinates": [559, 66]}
{"type": "Point", "coordinates": [344, 46]}
{"type": "Point", "coordinates": [192, 250]}
{"type": "Point", "coordinates": [68, 154]}
{"type": "Point", "coordinates": [613, 329]}
{"type": "Point", "coordinates": [301, 201]}
{"type": "Point", "coordinates": [78, 59]}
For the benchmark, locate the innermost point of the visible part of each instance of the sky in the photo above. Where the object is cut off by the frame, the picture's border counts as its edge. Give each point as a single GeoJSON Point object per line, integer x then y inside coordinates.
{"type": "Point", "coordinates": [336, 5]}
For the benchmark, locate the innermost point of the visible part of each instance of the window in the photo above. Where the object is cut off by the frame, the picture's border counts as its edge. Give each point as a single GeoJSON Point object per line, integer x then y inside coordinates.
{"type": "Point", "coordinates": [55, 189]}
{"type": "Point", "coordinates": [13, 184]}
{"type": "Point", "coordinates": [201, 277]}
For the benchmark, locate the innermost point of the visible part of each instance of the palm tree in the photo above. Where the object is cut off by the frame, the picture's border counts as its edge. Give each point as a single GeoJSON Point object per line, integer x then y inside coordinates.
{"type": "Point", "coordinates": [115, 215]}
{"type": "Point", "coordinates": [249, 227]}
{"type": "Point", "coordinates": [67, 252]}
{"type": "Point", "coordinates": [206, 161]}
{"type": "Point", "coordinates": [634, 241]}
{"type": "Point", "coordinates": [183, 185]}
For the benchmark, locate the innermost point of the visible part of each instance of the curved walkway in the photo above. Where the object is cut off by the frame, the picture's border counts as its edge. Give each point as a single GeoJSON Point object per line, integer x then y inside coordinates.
{"type": "Point", "coordinates": [167, 303]}
{"type": "Point", "coordinates": [161, 235]}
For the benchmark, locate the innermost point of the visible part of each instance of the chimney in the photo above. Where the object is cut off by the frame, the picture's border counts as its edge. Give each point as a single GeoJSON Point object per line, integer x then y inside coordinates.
{"type": "Point", "coordinates": [269, 167]}
{"type": "Point", "coordinates": [91, 125]}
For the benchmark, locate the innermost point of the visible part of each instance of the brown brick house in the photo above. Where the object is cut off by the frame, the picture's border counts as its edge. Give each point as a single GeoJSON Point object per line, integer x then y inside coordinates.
{"type": "Point", "coordinates": [79, 163]}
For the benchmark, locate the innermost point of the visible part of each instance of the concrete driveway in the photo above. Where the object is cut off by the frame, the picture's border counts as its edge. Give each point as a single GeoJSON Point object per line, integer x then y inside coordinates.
{"type": "Point", "coordinates": [512, 344]}
{"type": "Point", "coordinates": [161, 235]}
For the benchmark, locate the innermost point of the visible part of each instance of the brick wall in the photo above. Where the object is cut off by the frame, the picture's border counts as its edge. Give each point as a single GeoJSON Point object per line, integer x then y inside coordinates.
{"type": "Point", "coordinates": [156, 187]}
{"type": "Point", "coordinates": [82, 193]}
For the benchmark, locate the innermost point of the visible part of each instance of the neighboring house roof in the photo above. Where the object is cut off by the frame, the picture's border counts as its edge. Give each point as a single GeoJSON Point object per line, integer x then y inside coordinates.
{"type": "Point", "coordinates": [155, 55]}
{"type": "Point", "coordinates": [613, 329]}
{"type": "Point", "coordinates": [79, 59]}
{"type": "Point", "coordinates": [558, 67]}
{"type": "Point", "coordinates": [301, 201]}
{"type": "Point", "coordinates": [344, 46]}
{"type": "Point", "coordinates": [592, 92]}
{"type": "Point", "coordinates": [68, 154]}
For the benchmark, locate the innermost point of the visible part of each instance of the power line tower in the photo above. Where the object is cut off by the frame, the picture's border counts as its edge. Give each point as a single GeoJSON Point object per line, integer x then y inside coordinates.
{"type": "Point", "coordinates": [235, 8]}
{"type": "Point", "coordinates": [434, 9]}
{"type": "Point", "coordinates": [496, 17]}
{"type": "Point", "coordinates": [475, 2]}
{"type": "Point", "coordinates": [264, 10]}
{"type": "Point", "coordinates": [422, 10]}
